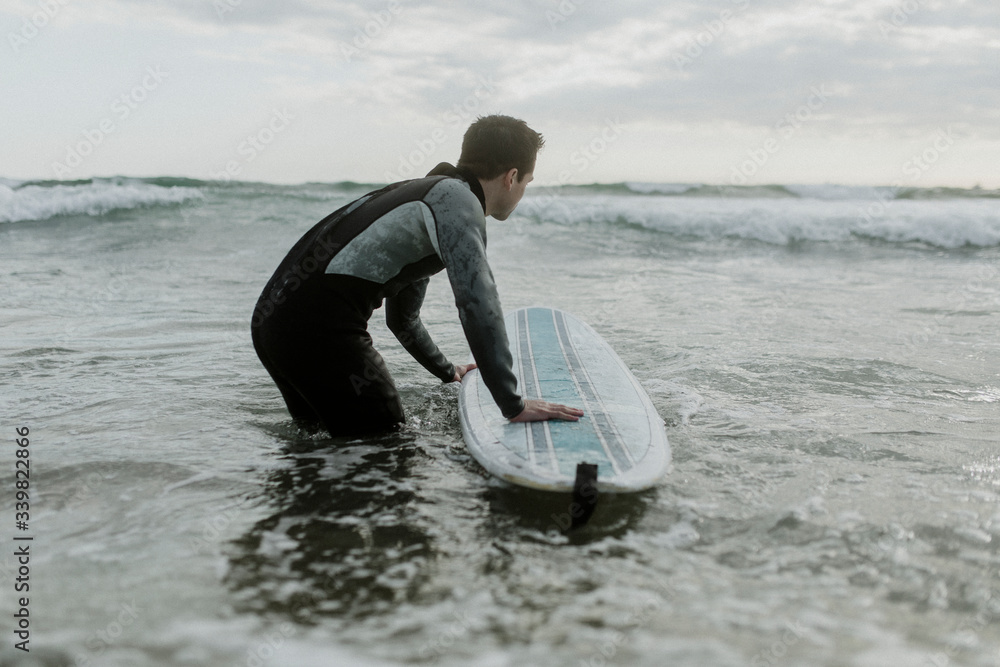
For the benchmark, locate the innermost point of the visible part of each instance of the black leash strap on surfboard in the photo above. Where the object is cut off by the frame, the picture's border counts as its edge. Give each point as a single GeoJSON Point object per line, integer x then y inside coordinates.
{"type": "Point", "coordinates": [584, 494]}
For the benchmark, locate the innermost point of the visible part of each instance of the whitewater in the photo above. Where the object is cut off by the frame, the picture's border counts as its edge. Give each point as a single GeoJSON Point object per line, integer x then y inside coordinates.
{"type": "Point", "coordinates": [826, 359]}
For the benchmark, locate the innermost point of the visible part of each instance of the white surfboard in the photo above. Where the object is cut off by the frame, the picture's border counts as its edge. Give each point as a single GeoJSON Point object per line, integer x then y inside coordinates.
{"type": "Point", "coordinates": [558, 358]}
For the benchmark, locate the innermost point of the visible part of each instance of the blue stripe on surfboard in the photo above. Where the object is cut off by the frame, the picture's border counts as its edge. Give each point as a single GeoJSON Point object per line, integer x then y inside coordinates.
{"type": "Point", "coordinates": [573, 442]}
{"type": "Point", "coordinates": [603, 421]}
{"type": "Point", "coordinates": [537, 433]}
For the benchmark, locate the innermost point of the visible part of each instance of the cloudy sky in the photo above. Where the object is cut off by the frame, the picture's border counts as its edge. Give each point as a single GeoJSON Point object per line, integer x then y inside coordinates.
{"type": "Point", "coordinates": [727, 91]}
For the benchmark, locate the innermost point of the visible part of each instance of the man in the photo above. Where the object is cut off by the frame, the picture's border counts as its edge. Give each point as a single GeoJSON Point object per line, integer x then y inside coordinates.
{"type": "Point", "coordinates": [310, 322]}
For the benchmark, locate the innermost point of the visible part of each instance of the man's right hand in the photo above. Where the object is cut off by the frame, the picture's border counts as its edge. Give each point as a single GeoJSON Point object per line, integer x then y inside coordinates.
{"type": "Point", "coordinates": [537, 411]}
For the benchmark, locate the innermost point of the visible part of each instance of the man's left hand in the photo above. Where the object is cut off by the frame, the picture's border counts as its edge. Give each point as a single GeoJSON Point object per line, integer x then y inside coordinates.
{"type": "Point", "coordinates": [461, 370]}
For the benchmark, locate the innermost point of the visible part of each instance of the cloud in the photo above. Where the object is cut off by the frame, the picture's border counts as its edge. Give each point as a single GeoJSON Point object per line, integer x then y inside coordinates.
{"type": "Point", "coordinates": [891, 68]}
{"type": "Point", "coordinates": [914, 62]}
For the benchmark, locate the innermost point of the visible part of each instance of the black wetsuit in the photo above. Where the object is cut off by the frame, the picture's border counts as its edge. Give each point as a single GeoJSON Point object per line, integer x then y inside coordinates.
{"type": "Point", "coordinates": [310, 323]}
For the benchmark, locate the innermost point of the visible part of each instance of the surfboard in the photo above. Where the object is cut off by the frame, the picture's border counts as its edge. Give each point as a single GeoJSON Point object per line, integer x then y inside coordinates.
{"type": "Point", "coordinates": [561, 359]}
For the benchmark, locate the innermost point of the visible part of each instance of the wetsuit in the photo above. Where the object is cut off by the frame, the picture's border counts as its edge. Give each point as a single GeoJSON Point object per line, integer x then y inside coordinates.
{"type": "Point", "coordinates": [310, 324]}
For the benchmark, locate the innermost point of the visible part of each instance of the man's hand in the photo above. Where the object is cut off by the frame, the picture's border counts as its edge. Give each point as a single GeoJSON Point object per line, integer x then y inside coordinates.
{"type": "Point", "coordinates": [538, 411]}
{"type": "Point", "coordinates": [460, 371]}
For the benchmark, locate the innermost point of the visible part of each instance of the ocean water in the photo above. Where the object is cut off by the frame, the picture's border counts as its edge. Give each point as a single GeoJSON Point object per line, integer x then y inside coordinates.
{"type": "Point", "coordinates": [826, 359]}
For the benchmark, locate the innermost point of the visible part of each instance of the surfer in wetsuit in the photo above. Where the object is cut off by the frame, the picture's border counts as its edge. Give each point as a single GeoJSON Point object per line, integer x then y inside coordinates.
{"type": "Point", "coordinates": [310, 324]}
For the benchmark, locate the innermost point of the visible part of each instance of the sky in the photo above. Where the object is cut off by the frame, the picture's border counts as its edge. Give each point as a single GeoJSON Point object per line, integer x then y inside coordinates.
{"type": "Point", "coordinates": [853, 92]}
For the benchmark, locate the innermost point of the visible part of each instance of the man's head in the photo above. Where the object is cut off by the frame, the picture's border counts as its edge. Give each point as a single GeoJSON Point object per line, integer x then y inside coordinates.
{"type": "Point", "coordinates": [501, 152]}
{"type": "Point", "coordinates": [495, 144]}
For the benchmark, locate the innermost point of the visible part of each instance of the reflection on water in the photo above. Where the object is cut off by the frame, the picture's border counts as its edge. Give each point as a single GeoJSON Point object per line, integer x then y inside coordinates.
{"type": "Point", "coordinates": [351, 533]}
{"type": "Point", "coordinates": [341, 541]}
{"type": "Point", "coordinates": [530, 515]}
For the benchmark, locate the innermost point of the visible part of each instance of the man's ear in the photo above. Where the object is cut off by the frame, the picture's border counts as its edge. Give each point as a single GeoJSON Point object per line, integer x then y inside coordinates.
{"type": "Point", "coordinates": [508, 179]}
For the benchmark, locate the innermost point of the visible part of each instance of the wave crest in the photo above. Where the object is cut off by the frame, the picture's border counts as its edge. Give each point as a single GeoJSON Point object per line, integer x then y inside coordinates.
{"type": "Point", "coordinates": [941, 223]}
{"type": "Point", "coordinates": [829, 192]}
{"type": "Point", "coordinates": [41, 200]}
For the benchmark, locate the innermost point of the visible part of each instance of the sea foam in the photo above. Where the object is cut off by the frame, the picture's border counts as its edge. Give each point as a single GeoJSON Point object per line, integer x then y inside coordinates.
{"type": "Point", "coordinates": [826, 215]}
{"type": "Point", "coordinates": [21, 202]}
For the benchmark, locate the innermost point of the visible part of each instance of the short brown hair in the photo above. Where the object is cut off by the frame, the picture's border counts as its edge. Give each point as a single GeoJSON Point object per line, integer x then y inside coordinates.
{"type": "Point", "coordinates": [494, 144]}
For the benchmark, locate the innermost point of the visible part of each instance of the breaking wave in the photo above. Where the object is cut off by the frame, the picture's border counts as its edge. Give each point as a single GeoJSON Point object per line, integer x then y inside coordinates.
{"type": "Point", "coordinates": [41, 200]}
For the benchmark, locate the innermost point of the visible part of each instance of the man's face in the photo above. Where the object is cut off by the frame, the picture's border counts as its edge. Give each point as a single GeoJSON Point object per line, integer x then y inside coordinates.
{"type": "Point", "coordinates": [512, 197]}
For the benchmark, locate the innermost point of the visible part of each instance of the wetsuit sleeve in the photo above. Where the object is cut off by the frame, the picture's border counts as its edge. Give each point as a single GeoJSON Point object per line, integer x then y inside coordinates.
{"type": "Point", "coordinates": [461, 241]}
{"type": "Point", "coordinates": [402, 316]}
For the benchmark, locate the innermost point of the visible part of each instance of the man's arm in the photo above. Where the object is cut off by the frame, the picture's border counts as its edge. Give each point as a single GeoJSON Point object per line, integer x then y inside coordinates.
{"type": "Point", "coordinates": [460, 235]}
{"type": "Point", "coordinates": [402, 316]}
{"type": "Point", "coordinates": [461, 243]}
